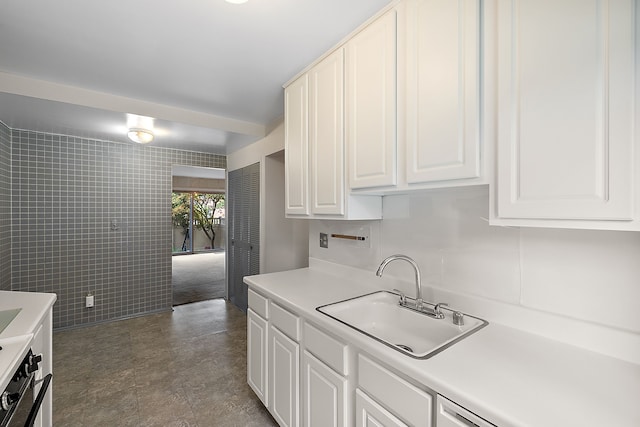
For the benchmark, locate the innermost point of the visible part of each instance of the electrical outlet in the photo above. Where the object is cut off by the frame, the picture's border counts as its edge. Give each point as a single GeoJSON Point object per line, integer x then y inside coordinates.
{"type": "Point", "coordinates": [324, 240]}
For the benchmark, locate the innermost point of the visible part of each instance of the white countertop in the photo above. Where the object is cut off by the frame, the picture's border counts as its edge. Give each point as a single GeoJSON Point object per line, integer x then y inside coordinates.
{"type": "Point", "coordinates": [509, 377]}
{"type": "Point", "coordinates": [34, 307]}
{"type": "Point", "coordinates": [15, 339]}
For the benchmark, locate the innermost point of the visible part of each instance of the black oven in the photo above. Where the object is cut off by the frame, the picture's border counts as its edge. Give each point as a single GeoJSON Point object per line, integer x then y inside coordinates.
{"type": "Point", "coordinates": [18, 404]}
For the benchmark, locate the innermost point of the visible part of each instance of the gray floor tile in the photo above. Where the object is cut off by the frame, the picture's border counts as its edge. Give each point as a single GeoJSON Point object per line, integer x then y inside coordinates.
{"type": "Point", "coordinates": [185, 368]}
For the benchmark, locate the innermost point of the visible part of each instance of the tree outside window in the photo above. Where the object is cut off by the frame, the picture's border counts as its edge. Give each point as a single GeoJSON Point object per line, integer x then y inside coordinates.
{"type": "Point", "coordinates": [208, 210]}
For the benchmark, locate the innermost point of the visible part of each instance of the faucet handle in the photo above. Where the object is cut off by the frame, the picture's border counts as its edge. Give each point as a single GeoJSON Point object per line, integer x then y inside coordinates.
{"type": "Point", "coordinates": [403, 297]}
{"type": "Point", "coordinates": [458, 318]}
{"type": "Point", "coordinates": [436, 309]}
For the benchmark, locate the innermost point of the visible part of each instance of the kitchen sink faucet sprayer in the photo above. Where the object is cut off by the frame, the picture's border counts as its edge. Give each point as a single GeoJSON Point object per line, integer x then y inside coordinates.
{"type": "Point", "coordinates": [387, 260]}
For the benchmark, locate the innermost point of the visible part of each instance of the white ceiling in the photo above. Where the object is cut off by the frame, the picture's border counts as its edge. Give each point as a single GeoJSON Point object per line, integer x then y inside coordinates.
{"type": "Point", "coordinates": [210, 73]}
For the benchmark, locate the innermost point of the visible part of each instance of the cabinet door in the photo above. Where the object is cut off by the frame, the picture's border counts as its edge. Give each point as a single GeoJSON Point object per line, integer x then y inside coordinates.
{"type": "Point", "coordinates": [326, 135]}
{"type": "Point", "coordinates": [324, 395]}
{"type": "Point", "coordinates": [244, 231]}
{"type": "Point", "coordinates": [565, 109]}
{"type": "Point", "coordinates": [371, 414]}
{"type": "Point", "coordinates": [284, 379]}
{"type": "Point", "coordinates": [257, 355]}
{"type": "Point", "coordinates": [296, 146]}
{"type": "Point", "coordinates": [371, 104]}
{"type": "Point", "coordinates": [442, 90]}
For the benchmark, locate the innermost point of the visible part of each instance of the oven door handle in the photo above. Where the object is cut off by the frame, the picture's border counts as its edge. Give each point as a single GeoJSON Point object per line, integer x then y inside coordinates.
{"type": "Point", "coordinates": [38, 402]}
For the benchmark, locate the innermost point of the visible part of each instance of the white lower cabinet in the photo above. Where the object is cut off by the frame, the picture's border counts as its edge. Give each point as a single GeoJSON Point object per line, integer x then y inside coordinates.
{"type": "Point", "coordinates": [406, 401]}
{"type": "Point", "coordinates": [325, 394]}
{"type": "Point", "coordinates": [284, 368]}
{"type": "Point", "coordinates": [307, 375]}
{"type": "Point", "coordinates": [257, 355]}
{"type": "Point", "coordinates": [371, 414]}
{"type": "Point", "coordinates": [450, 414]}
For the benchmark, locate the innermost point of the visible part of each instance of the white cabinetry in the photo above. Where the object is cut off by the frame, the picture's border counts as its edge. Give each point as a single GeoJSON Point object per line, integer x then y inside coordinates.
{"type": "Point", "coordinates": [273, 358]}
{"type": "Point", "coordinates": [566, 99]}
{"type": "Point", "coordinates": [284, 366]}
{"type": "Point", "coordinates": [311, 378]}
{"type": "Point", "coordinates": [406, 401]}
{"type": "Point", "coordinates": [326, 135]}
{"type": "Point", "coordinates": [296, 146]}
{"type": "Point", "coordinates": [257, 341]}
{"type": "Point", "coordinates": [410, 90]}
{"type": "Point", "coordinates": [371, 414]}
{"type": "Point", "coordinates": [442, 92]}
{"type": "Point", "coordinates": [284, 379]}
{"type": "Point", "coordinates": [325, 369]}
{"type": "Point", "coordinates": [449, 414]}
{"type": "Point", "coordinates": [325, 394]}
{"type": "Point", "coordinates": [257, 355]}
{"type": "Point", "coordinates": [371, 104]}
{"type": "Point", "coordinates": [424, 72]}
{"type": "Point", "coordinates": [314, 147]}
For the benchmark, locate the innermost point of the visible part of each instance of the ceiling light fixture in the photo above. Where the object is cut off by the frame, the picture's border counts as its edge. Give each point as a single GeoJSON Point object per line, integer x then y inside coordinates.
{"type": "Point", "coordinates": [141, 136]}
{"type": "Point", "coordinates": [236, 1]}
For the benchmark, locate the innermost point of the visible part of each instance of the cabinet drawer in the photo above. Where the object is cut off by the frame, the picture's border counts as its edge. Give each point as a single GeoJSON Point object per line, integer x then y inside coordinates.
{"type": "Point", "coordinates": [370, 413]}
{"type": "Point", "coordinates": [326, 348]}
{"type": "Point", "coordinates": [449, 414]}
{"type": "Point", "coordinates": [405, 400]}
{"type": "Point", "coordinates": [287, 322]}
{"type": "Point", "coordinates": [259, 304]}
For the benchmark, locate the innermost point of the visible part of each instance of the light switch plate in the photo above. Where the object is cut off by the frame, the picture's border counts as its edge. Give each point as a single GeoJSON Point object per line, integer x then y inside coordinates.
{"type": "Point", "coordinates": [324, 240]}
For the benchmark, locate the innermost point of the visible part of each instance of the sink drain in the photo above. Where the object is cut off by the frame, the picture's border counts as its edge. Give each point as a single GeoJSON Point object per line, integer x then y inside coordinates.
{"type": "Point", "coordinates": [405, 347]}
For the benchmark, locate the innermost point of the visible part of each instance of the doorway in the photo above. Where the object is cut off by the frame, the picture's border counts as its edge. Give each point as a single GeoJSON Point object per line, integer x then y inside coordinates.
{"type": "Point", "coordinates": [198, 234]}
{"type": "Point", "coordinates": [198, 222]}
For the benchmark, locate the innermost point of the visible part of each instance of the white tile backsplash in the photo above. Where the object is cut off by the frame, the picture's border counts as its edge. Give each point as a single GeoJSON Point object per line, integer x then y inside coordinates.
{"type": "Point", "coordinates": [591, 276]}
{"type": "Point", "coordinates": [346, 252]}
{"type": "Point", "coordinates": [588, 275]}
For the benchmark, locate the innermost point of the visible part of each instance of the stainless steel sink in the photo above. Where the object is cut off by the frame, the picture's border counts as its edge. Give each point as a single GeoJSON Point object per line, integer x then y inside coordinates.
{"type": "Point", "coordinates": [380, 316]}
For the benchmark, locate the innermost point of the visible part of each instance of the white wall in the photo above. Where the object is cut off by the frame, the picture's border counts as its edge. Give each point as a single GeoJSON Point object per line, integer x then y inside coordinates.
{"type": "Point", "coordinates": [254, 153]}
{"type": "Point", "coordinates": [283, 242]}
{"type": "Point", "coordinates": [287, 238]}
{"type": "Point", "coordinates": [584, 275]}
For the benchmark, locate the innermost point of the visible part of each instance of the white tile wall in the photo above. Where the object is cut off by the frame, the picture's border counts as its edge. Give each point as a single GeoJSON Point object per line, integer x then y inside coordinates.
{"type": "Point", "coordinates": [589, 275]}
{"type": "Point", "coordinates": [593, 276]}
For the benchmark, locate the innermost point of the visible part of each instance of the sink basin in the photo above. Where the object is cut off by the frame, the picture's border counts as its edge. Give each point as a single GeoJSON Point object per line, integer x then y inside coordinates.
{"type": "Point", "coordinates": [7, 316]}
{"type": "Point", "coordinates": [379, 316]}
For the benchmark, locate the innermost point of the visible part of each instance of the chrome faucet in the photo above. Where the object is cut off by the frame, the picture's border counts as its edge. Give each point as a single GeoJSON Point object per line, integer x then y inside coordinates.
{"type": "Point", "coordinates": [387, 260]}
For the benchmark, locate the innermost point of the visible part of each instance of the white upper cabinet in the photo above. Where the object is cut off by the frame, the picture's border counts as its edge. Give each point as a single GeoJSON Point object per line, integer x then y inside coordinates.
{"type": "Point", "coordinates": [296, 146]}
{"type": "Point", "coordinates": [326, 135]}
{"type": "Point", "coordinates": [442, 94]}
{"type": "Point", "coordinates": [315, 148]}
{"type": "Point", "coordinates": [566, 98]}
{"type": "Point", "coordinates": [371, 104]}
